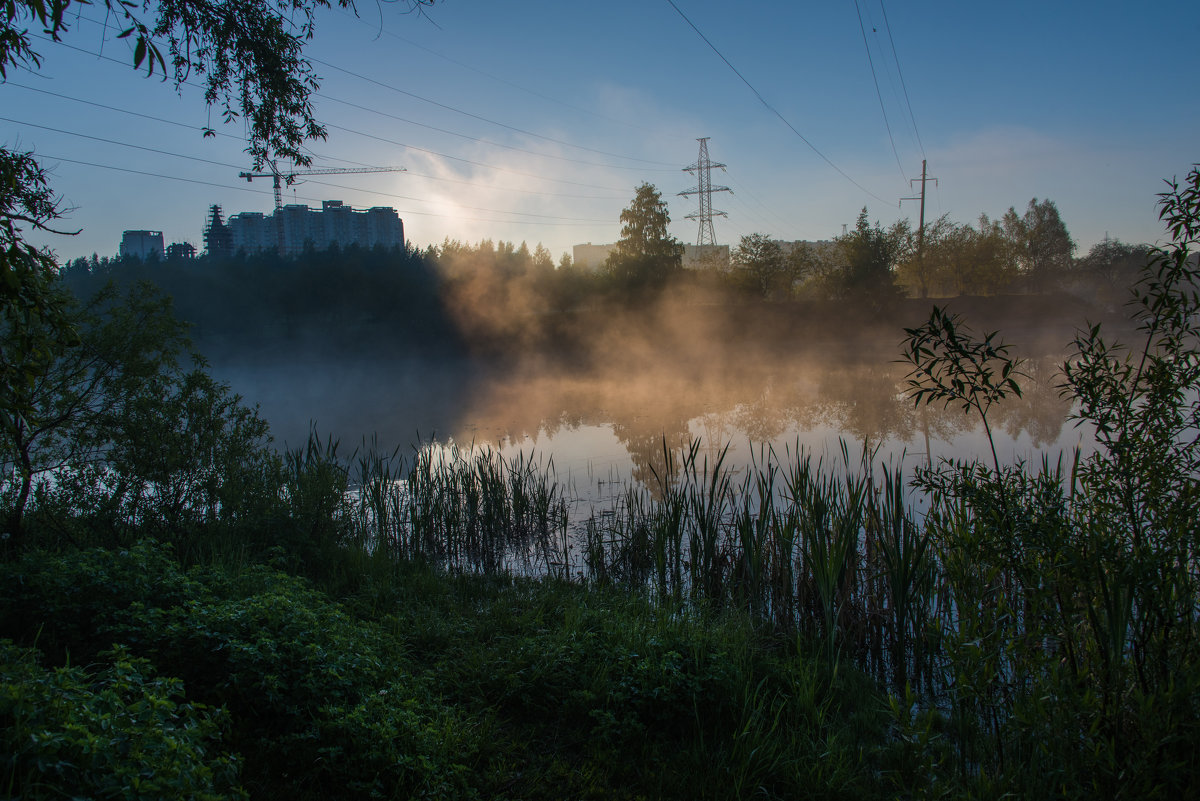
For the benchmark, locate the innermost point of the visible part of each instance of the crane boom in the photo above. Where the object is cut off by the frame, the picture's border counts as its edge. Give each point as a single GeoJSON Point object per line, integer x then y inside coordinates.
{"type": "Point", "coordinates": [279, 176]}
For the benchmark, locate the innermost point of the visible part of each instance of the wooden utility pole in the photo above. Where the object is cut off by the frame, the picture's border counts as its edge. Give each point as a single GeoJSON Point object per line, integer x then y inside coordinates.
{"type": "Point", "coordinates": [924, 179]}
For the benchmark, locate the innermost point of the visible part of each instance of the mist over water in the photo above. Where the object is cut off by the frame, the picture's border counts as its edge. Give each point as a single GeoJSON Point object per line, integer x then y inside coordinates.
{"type": "Point", "coordinates": [603, 407]}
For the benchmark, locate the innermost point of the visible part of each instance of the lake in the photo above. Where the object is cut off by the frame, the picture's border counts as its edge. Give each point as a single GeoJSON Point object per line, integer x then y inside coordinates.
{"type": "Point", "coordinates": [604, 423]}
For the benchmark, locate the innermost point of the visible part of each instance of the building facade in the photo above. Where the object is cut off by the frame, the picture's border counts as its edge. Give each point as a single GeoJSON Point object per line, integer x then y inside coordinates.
{"type": "Point", "coordinates": [141, 245]}
{"type": "Point", "coordinates": [295, 227]}
{"type": "Point", "coordinates": [695, 257]}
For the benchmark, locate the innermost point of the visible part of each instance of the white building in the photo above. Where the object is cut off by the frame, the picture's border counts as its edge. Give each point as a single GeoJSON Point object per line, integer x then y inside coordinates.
{"type": "Point", "coordinates": [695, 257]}
{"type": "Point", "coordinates": [589, 256]}
{"type": "Point", "coordinates": [142, 245]}
{"type": "Point", "coordinates": [252, 232]}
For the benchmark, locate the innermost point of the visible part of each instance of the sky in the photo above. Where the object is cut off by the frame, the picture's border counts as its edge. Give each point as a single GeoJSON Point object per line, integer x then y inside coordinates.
{"type": "Point", "coordinates": [535, 120]}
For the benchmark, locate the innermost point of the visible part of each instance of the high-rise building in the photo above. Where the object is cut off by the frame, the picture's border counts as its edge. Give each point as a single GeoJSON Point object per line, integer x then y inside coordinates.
{"type": "Point", "coordinates": [294, 227]}
{"type": "Point", "coordinates": [142, 245]}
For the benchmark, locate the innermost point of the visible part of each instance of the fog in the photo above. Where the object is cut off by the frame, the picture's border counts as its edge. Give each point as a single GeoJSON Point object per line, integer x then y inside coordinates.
{"type": "Point", "coordinates": [600, 389]}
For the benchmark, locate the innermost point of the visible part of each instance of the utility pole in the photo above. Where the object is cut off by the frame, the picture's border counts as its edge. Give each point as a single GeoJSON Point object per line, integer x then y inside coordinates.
{"type": "Point", "coordinates": [921, 229]}
{"type": "Point", "coordinates": [704, 189]}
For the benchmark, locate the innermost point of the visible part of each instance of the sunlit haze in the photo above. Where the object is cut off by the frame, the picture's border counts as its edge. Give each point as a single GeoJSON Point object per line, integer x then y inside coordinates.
{"type": "Point", "coordinates": [535, 121]}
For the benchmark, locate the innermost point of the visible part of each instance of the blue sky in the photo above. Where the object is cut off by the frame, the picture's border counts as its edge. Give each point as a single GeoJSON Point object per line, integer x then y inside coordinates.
{"type": "Point", "coordinates": [534, 121]}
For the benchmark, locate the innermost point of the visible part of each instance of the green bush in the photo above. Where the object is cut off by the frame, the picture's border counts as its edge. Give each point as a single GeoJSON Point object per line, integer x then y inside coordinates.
{"type": "Point", "coordinates": [117, 731]}
{"type": "Point", "coordinates": [319, 704]}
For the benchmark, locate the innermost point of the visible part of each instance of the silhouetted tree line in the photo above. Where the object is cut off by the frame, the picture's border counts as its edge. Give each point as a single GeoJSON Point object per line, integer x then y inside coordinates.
{"type": "Point", "coordinates": [1027, 253]}
{"type": "Point", "coordinates": [367, 299]}
{"type": "Point", "coordinates": [494, 297]}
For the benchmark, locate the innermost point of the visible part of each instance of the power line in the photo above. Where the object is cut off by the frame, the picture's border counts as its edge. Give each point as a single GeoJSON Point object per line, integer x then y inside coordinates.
{"type": "Point", "coordinates": [329, 158]}
{"type": "Point", "coordinates": [385, 140]}
{"type": "Point", "coordinates": [478, 139]}
{"type": "Point", "coordinates": [394, 142]}
{"type": "Point", "coordinates": [234, 167]}
{"type": "Point", "coordinates": [163, 120]}
{"type": "Point", "coordinates": [878, 94]}
{"type": "Point", "coordinates": [566, 221]}
{"type": "Point", "coordinates": [120, 144]}
{"type": "Point", "coordinates": [661, 164]}
{"type": "Point", "coordinates": [496, 78]}
{"type": "Point", "coordinates": [771, 108]}
{"type": "Point", "coordinates": [481, 118]}
{"type": "Point", "coordinates": [900, 72]}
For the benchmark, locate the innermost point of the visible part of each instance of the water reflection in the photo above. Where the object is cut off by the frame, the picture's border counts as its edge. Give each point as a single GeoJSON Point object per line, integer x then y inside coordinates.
{"type": "Point", "coordinates": [609, 424]}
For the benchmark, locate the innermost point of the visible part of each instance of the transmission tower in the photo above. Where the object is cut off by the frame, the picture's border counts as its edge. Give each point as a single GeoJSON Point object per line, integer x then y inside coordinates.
{"type": "Point", "coordinates": [705, 189]}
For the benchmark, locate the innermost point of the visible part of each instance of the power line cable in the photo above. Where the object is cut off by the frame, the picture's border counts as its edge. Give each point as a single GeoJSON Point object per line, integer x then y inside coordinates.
{"type": "Point", "coordinates": [394, 142]}
{"type": "Point", "coordinates": [234, 167]}
{"type": "Point", "coordinates": [265, 193]}
{"type": "Point", "coordinates": [486, 74]}
{"type": "Point", "coordinates": [121, 144]}
{"type": "Point", "coordinates": [480, 140]}
{"type": "Point", "coordinates": [665, 166]}
{"type": "Point", "coordinates": [521, 131]}
{"type": "Point", "coordinates": [771, 108]}
{"type": "Point", "coordinates": [329, 158]}
{"type": "Point", "coordinates": [900, 72]}
{"type": "Point", "coordinates": [121, 110]}
{"type": "Point", "coordinates": [878, 93]}
{"type": "Point", "coordinates": [385, 140]}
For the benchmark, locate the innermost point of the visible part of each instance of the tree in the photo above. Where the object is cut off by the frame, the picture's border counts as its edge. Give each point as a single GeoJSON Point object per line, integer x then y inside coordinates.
{"type": "Point", "coordinates": [249, 53]}
{"type": "Point", "coordinates": [762, 265]}
{"type": "Point", "coordinates": [1041, 242]}
{"type": "Point", "coordinates": [34, 311]}
{"type": "Point", "coordinates": [869, 256]}
{"type": "Point", "coordinates": [1110, 268]}
{"type": "Point", "coordinates": [931, 268]}
{"type": "Point", "coordinates": [646, 255]}
{"type": "Point", "coordinates": [68, 408]}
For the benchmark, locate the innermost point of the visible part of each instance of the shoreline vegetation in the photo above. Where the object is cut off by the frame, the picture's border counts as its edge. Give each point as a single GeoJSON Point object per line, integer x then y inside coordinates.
{"type": "Point", "coordinates": [186, 612]}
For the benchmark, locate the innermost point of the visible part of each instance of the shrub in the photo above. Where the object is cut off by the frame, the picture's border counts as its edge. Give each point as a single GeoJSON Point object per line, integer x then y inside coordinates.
{"type": "Point", "coordinates": [116, 731]}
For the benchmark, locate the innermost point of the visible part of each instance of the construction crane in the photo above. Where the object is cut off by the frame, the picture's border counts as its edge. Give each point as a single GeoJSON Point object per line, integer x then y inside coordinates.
{"type": "Point", "coordinates": [279, 176]}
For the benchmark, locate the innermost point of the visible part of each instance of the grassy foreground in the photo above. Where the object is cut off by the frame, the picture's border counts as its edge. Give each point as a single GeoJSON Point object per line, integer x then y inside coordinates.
{"type": "Point", "coordinates": [417, 685]}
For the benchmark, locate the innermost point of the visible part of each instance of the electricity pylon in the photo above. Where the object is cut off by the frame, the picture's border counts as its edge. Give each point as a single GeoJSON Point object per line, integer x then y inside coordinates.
{"type": "Point", "coordinates": [704, 189]}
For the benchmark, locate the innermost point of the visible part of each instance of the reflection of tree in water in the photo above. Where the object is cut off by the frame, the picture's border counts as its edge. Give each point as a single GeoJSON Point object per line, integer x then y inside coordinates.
{"type": "Point", "coordinates": [761, 402]}
{"type": "Point", "coordinates": [715, 433]}
{"type": "Point", "coordinates": [865, 401]}
{"type": "Point", "coordinates": [649, 438]}
{"type": "Point", "coordinates": [767, 416]}
{"type": "Point", "coordinates": [1041, 410]}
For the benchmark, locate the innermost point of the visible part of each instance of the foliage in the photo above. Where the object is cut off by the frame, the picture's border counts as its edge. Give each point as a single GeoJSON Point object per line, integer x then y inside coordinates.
{"type": "Point", "coordinates": [71, 407]}
{"type": "Point", "coordinates": [115, 730]}
{"type": "Point", "coordinates": [121, 434]}
{"type": "Point", "coordinates": [1072, 639]}
{"type": "Point", "coordinates": [1109, 269]}
{"type": "Point", "coordinates": [951, 366]}
{"type": "Point", "coordinates": [646, 255]}
{"type": "Point", "coordinates": [249, 52]}
{"type": "Point", "coordinates": [35, 324]}
{"type": "Point", "coordinates": [761, 265]}
{"type": "Point", "coordinates": [1142, 485]}
{"type": "Point", "coordinates": [1041, 242]}
{"type": "Point", "coordinates": [317, 704]}
{"type": "Point", "coordinates": [958, 259]}
{"type": "Point", "coordinates": [869, 256]}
